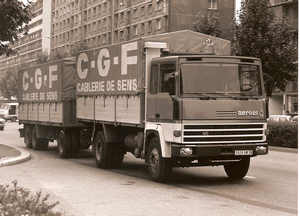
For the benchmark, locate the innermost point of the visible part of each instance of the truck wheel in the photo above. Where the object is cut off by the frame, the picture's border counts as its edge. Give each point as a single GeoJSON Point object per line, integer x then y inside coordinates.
{"type": "Point", "coordinates": [28, 136]}
{"type": "Point", "coordinates": [160, 168]}
{"type": "Point", "coordinates": [38, 143]}
{"type": "Point", "coordinates": [103, 152]}
{"type": "Point", "coordinates": [64, 144]}
{"type": "Point", "coordinates": [237, 170]}
{"type": "Point", "coordinates": [13, 119]}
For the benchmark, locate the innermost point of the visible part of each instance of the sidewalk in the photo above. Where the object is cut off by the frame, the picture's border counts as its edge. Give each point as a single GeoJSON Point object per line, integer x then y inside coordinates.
{"type": "Point", "coordinates": [12, 155]}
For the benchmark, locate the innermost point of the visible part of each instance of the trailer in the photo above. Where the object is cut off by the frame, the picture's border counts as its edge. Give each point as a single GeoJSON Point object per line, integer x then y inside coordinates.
{"type": "Point", "coordinates": [174, 100]}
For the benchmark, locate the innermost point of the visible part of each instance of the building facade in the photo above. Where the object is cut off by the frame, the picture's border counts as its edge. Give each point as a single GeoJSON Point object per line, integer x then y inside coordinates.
{"type": "Point", "coordinates": [105, 22]}
{"type": "Point", "coordinates": [35, 40]}
{"type": "Point", "coordinates": [286, 102]}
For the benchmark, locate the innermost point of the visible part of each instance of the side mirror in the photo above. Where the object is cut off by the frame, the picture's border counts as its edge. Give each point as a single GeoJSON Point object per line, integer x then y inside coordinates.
{"type": "Point", "coordinates": [172, 87]}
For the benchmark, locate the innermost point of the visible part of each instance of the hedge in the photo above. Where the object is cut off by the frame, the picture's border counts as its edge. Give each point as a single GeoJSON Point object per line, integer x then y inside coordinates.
{"type": "Point", "coordinates": [17, 200]}
{"type": "Point", "coordinates": [283, 134]}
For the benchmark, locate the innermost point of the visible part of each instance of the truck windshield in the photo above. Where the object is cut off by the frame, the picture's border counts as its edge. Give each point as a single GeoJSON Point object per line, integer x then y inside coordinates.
{"type": "Point", "coordinates": [220, 78]}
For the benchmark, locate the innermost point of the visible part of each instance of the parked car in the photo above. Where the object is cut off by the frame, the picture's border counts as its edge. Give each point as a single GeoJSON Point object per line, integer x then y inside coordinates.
{"type": "Point", "coordinates": [279, 118]}
{"type": "Point", "coordinates": [294, 119]}
{"type": "Point", "coordinates": [2, 124]}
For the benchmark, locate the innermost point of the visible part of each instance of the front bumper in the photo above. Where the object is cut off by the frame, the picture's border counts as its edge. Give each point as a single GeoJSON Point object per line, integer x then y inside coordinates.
{"type": "Point", "coordinates": [228, 150]}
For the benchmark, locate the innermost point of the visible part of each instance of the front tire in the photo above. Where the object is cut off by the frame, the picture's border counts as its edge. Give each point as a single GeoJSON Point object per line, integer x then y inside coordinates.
{"type": "Point", "coordinates": [160, 168]}
{"type": "Point", "coordinates": [103, 152]}
{"type": "Point", "coordinates": [237, 170]}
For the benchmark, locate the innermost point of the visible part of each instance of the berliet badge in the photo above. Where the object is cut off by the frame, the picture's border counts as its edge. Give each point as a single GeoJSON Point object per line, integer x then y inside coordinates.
{"type": "Point", "coordinates": [261, 113]}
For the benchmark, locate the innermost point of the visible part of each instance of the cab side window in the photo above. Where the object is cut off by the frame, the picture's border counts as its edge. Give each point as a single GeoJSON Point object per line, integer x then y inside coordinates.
{"type": "Point", "coordinates": [166, 71]}
{"type": "Point", "coordinates": [154, 79]}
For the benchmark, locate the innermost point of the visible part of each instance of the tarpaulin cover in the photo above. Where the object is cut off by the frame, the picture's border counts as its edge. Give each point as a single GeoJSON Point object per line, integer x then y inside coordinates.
{"type": "Point", "coordinates": [49, 82]}
{"type": "Point", "coordinates": [190, 42]}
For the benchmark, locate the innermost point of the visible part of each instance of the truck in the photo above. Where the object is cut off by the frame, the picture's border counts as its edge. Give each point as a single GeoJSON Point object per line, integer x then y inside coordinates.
{"type": "Point", "coordinates": [177, 99]}
{"type": "Point", "coordinates": [9, 111]}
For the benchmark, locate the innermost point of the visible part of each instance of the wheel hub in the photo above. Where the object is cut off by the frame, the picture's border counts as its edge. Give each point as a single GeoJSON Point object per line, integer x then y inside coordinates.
{"type": "Point", "coordinates": [154, 160]}
{"type": "Point", "coordinates": [98, 150]}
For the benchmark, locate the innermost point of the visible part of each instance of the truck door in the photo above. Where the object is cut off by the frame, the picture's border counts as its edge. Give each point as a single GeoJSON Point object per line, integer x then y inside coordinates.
{"type": "Point", "coordinates": [12, 110]}
{"type": "Point", "coordinates": [160, 104]}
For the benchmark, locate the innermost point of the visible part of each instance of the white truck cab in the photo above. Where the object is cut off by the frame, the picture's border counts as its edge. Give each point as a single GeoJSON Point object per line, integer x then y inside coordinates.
{"type": "Point", "coordinates": [9, 111]}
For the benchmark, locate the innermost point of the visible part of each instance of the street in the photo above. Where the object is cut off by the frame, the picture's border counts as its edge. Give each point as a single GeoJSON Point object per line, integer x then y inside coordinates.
{"type": "Point", "coordinates": [270, 187]}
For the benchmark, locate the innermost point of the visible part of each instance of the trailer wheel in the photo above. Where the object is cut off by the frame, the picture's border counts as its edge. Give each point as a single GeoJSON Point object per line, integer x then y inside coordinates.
{"type": "Point", "coordinates": [103, 152]}
{"type": "Point", "coordinates": [64, 144]}
{"type": "Point", "coordinates": [237, 170]}
{"type": "Point", "coordinates": [160, 168]}
{"type": "Point", "coordinates": [38, 143]}
{"type": "Point", "coordinates": [28, 136]}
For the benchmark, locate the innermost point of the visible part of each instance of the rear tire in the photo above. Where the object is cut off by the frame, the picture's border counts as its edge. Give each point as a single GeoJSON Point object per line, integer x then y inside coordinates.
{"type": "Point", "coordinates": [238, 170]}
{"type": "Point", "coordinates": [160, 168]}
{"type": "Point", "coordinates": [28, 136]}
{"type": "Point", "coordinates": [103, 152]}
{"type": "Point", "coordinates": [38, 143]}
{"type": "Point", "coordinates": [64, 144]}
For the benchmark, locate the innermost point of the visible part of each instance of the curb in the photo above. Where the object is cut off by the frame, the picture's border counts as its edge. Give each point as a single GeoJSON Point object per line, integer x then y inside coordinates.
{"type": "Point", "coordinates": [283, 149]}
{"type": "Point", "coordinates": [25, 156]}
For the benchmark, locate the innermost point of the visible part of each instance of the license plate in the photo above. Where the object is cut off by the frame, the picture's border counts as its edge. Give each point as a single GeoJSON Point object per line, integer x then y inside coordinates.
{"type": "Point", "coordinates": [243, 152]}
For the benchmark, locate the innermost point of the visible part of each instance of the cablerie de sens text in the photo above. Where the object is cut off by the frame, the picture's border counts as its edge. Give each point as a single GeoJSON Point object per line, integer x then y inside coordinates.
{"type": "Point", "coordinates": [108, 86]}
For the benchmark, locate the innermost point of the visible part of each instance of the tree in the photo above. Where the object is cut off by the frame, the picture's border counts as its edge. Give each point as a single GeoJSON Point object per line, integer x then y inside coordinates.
{"type": "Point", "coordinates": [42, 56]}
{"type": "Point", "coordinates": [260, 33]}
{"type": "Point", "coordinates": [8, 82]}
{"type": "Point", "coordinates": [208, 23]}
{"type": "Point", "coordinates": [14, 19]}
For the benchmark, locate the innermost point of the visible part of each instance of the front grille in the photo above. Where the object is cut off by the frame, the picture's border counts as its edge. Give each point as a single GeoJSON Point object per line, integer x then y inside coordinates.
{"type": "Point", "coordinates": [223, 133]}
{"type": "Point", "coordinates": [1, 115]}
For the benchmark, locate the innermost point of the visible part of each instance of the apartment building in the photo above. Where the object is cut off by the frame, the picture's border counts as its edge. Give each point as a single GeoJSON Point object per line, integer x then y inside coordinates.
{"type": "Point", "coordinates": [28, 45]}
{"type": "Point", "coordinates": [286, 102]}
{"type": "Point", "coordinates": [104, 22]}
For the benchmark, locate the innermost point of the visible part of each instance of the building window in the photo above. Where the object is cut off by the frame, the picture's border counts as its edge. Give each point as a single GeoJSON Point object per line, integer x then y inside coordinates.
{"type": "Point", "coordinates": [292, 103]}
{"type": "Point", "coordinates": [142, 28]}
{"type": "Point", "coordinates": [143, 10]}
{"type": "Point", "coordinates": [134, 29]}
{"type": "Point", "coordinates": [150, 8]}
{"type": "Point", "coordinates": [122, 34]}
{"type": "Point", "coordinates": [158, 5]}
{"type": "Point", "coordinates": [150, 26]}
{"type": "Point", "coordinates": [105, 23]}
{"type": "Point", "coordinates": [122, 17]}
{"type": "Point", "coordinates": [213, 4]}
{"type": "Point", "coordinates": [104, 39]}
{"type": "Point", "coordinates": [135, 12]}
{"type": "Point", "coordinates": [158, 24]}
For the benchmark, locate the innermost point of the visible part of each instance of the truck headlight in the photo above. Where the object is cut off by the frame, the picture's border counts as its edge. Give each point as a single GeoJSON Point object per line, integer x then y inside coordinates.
{"type": "Point", "coordinates": [186, 151]}
{"type": "Point", "coordinates": [261, 150]}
